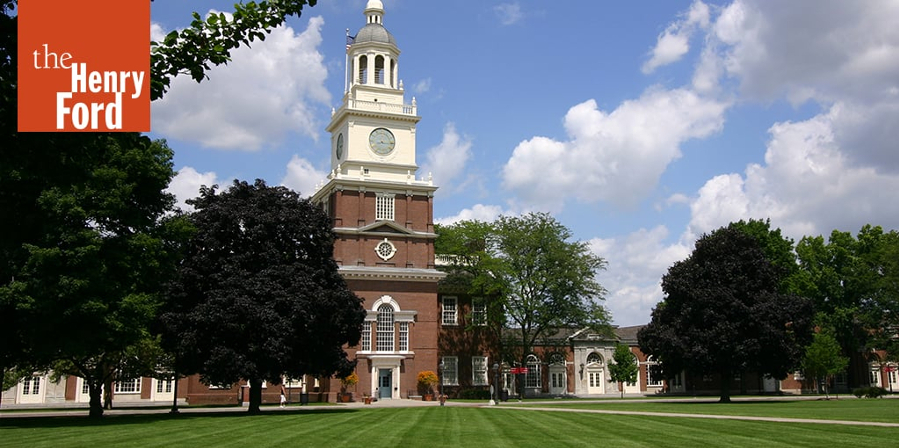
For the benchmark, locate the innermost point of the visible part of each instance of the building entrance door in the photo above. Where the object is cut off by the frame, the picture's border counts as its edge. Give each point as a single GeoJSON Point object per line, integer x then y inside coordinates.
{"type": "Point", "coordinates": [385, 386]}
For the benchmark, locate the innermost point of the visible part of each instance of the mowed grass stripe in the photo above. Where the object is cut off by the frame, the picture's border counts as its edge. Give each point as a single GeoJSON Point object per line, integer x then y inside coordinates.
{"type": "Point", "coordinates": [429, 427]}
{"type": "Point", "coordinates": [881, 410]}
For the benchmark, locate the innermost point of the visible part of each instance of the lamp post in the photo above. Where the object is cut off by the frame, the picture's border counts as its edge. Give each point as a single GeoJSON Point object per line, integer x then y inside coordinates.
{"type": "Point", "coordinates": [496, 382]}
{"type": "Point", "coordinates": [441, 383]}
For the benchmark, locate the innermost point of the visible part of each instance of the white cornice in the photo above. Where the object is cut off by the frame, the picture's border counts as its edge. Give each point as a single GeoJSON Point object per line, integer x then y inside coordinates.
{"type": "Point", "coordinates": [377, 273]}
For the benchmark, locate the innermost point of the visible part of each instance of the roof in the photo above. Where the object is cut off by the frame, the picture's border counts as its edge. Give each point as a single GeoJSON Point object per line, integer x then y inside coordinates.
{"type": "Point", "coordinates": [374, 32]}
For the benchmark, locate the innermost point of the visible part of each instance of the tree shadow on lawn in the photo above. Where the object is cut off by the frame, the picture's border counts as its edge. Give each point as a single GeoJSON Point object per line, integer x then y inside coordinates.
{"type": "Point", "coordinates": [67, 421]}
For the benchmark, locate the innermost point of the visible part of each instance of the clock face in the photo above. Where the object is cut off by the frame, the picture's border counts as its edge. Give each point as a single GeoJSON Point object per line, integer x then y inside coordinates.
{"type": "Point", "coordinates": [339, 150]}
{"type": "Point", "coordinates": [381, 141]}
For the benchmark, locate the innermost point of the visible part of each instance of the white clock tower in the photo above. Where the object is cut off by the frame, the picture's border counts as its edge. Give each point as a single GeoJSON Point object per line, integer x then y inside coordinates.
{"type": "Point", "coordinates": [382, 213]}
{"type": "Point", "coordinates": [373, 132]}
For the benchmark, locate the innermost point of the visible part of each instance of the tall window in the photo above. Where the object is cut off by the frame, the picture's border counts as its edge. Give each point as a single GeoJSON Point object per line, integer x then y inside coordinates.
{"type": "Point", "coordinates": [449, 310]}
{"type": "Point", "coordinates": [129, 386]}
{"type": "Point", "coordinates": [450, 375]}
{"type": "Point", "coordinates": [366, 336]}
{"type": "Point", "coordinates": [31, 385]}
{"type": "Point", "coordinates": [875, 377]}
{"type": "Point", "coordinates": [363, 70]}
{"type": "Point", "coordinates": [385, 328]}
{"type": "Point", "coordinates": [479, 370]}
{"type": "Point", "coordinates": [404, 336]}
{"type": "Point", "coordinates": [478, 312]}
{"type": "Point", "coordinates": [379, 69]}
{"type": "Point", "coordinates": [557, 379]}
{"type": "Point", "coordinates": [384, 207]}
{"type": "Point", "coordinates": [164, 386]}
{"type": "Point", "coordinates": [532, 380]}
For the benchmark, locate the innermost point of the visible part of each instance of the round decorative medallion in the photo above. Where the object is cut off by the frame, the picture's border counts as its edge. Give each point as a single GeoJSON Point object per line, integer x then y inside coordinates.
{"type": "Point", "coordinates": [381, 141]}
{"type": "Point", "coordinates": [385, 249]}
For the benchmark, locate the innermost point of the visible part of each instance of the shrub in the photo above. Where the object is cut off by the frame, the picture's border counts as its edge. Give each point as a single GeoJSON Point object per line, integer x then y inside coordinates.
{"type": "Point", "coordinates": [869, 392]}
{"type": "Point", "coordinates": [427, 379]}
{"type": "Point", "coordinates": [474, 394]}
{"type": "Point", "coordinates": [349, 380]}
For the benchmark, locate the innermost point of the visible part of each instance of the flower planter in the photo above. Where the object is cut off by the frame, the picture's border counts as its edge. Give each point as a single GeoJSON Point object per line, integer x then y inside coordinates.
{"type": "Point", "coordinates": [427, 397]}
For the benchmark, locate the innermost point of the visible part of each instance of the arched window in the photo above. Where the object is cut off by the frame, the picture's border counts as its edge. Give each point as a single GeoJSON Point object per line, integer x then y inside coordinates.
{"type": "Point", "coordinates": [557, 359]}
{"type": "Point", "coordinates": [594, 359]}
{"type": "Point", "coordinates": [363, 69]}
{"type": "Point", "coordinates": [532, 380]}
{"type": "Point", "coordinates": [385, 328]}
{"type": "Point", "coordinates": [379, 69]}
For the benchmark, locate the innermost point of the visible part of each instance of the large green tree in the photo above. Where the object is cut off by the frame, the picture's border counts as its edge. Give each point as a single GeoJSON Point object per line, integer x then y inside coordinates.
{"type": "Point", "coordinates": [258, 295]}
{"type": "Point", "coordinates": [85, 251]}
{"type": "Point", "coordinates": [533, 277]}
{"type": "Point", "coordinates": [853, 281]}
{"type": "Point", "coordinates": [82, 208]}
{"type": "Point", "coordinates": [723, 313]}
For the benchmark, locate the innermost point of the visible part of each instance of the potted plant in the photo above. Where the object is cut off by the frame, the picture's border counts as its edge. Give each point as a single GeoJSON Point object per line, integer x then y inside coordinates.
{"type": "Point", "coordinates": [347, 382]}
{"type": "Point", "coordinates": [427, 379]}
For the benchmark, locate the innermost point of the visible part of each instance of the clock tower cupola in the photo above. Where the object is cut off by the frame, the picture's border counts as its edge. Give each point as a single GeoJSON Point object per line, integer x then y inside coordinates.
{"type": "Point", "coordinates": [373, 132]}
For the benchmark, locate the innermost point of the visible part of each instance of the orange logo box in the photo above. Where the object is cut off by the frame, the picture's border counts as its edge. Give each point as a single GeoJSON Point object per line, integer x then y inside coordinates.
{"type": "Point", "coordinates": [84, 65]}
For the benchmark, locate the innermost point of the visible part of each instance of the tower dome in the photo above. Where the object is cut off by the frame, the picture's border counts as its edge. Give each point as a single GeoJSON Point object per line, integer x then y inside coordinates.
{"type": "Point", "coordinates": [374, 30]}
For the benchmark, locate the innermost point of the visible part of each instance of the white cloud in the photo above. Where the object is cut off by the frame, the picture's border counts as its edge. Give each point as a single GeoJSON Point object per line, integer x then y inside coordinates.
{"type": "Point", "coordinates": [302, 177]}
{"type": "Point", "coordinates": [157, 32]}
{"type": "Point", "coordinates": [186, 185]}
{"type": "Point", "coordinates": [447, 160]}
{"type": "Point", "coordinates": [636, 264]}
{"type": "Point", "coordinates": [826, 51]}
{"type": "Point", "coordinates": [807, 186]}
{"type": "Point", "coordinates": [836, 169]}
{"type": "Point", "coordinates": [616, 157]}
{"type": "Point", "coordinates": [479, 212]}
{"type": "Point", "coordinates": [266, 91]}
{"type": "Point", "coordinates": [674, 42]}
{"type": "Point", "coordinates": [508, 13]}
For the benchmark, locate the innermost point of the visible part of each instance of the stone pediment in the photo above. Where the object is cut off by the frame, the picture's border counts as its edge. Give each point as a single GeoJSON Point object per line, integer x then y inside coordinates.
{"type": "Point", "coordinates": [386, 227]}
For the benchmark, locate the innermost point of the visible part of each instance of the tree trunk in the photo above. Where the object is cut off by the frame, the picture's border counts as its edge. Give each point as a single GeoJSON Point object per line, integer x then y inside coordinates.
{"type": "Point", "coordinates": [96, 405]}
{"type": "Point", "coordinates": [255, 396]}
{"type": "Point", "coordinates": [621, 388]}
{"type": "Point", "coordinates": [725, 387]}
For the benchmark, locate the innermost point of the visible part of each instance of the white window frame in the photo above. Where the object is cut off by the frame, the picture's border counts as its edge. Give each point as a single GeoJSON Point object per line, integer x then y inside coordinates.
{"type": "Point", "coordinates": [450, 314]}
{"type": "Point", "coordinates": [450, 374]}
{"type": "Point", "coordinates": [366, 336]}
{"type": "Point", "coordinates": [478, 312]}
{"type": "Point", "coordinates": [404, 336]}
{"type": "Point", "coordinates": [875, 376]}
{"type": "Point", "coordinates": [31, 385]}
{"type": "Point", "coordinates": [164, 385]}
{"type": "Point", "coordinates": [385, 207]}
{"type": "Point", "coordinates": [127, 386]}
{"type": "Point", "coordinates": [532, 378]}
{"type": "Point", "coordinates": [479, 371]}
{"type": "Point", "coordinates": [386, 329]}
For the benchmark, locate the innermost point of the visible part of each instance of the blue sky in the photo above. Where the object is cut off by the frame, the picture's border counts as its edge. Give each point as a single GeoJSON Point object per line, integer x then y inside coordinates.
{"type": "Point", "coordinates": [639, 125]}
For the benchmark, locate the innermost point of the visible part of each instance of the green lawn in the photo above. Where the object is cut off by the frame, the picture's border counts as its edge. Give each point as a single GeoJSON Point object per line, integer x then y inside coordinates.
{"type": "Point", "coordinates": [423, 426]}
{"type": "Point", "coordinates": [871, 410]}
